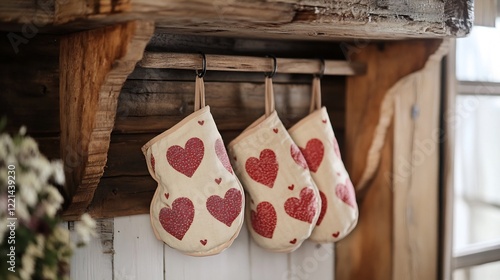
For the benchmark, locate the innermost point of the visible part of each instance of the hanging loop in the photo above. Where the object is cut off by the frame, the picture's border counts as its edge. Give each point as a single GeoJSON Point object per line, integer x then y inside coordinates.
{"type": "Point", "coordinates": [204, 66]}
{"type": "Point", "coordinates": [275, 67]}
{"type": "Point", "coordinates": [322, 69]}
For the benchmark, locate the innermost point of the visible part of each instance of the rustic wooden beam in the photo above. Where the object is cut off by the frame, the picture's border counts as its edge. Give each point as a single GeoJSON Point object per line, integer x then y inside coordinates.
{"type": "Point", "coordinates": [93, 67]}
{"type": "Point", "coordinates": [298, 19]}
{"type": "Point", "coordinates": [368, 252]}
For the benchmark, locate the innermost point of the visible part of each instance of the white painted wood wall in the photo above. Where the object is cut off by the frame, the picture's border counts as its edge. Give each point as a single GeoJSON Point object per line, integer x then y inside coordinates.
{"type": "Point", "coordinates": [128, 250]}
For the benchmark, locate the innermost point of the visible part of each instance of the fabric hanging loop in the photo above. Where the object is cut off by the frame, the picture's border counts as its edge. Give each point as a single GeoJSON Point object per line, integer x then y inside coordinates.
{"type": "Point", "coordinates": [269, 96]}
{"type": "Point", "coordinates": [316, 94]}
{"type": "Point", "coordinates": [199, 93]}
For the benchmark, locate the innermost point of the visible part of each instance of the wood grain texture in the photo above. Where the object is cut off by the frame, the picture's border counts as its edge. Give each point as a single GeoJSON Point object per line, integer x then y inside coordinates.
{"type": "Point", "coordinates": [485, 12]}
{"type": "Point", "coordinates": [416, 171]}
{"type": "Point", "coordinates": [296, 19]}
{"type": "Point", "coordinates": [94, 65]}
{"type": "Point", "coordinates": [367, 252]}
{"type": "Point", "coordinates": [94, 261]}
{"type": "Point", "coordinates": [138, 254]}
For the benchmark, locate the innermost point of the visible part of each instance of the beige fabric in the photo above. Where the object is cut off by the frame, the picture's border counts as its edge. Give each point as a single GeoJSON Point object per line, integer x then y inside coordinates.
{"type": "Point", "coordinates": [198, 205]}
{"type": "Point", "coordinates": [283, 202]}
{"type": "Point", "coordinates": [316, 139]}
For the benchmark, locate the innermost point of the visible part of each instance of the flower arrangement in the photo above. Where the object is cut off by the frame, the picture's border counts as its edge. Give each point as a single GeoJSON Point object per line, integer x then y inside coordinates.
{"type": "Point", "coordinates": [32, 235]}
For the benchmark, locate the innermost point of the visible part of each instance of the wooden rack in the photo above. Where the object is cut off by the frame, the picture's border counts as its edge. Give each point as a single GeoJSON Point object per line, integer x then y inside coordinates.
{"type": "Point", "coordinates": [249, 64]}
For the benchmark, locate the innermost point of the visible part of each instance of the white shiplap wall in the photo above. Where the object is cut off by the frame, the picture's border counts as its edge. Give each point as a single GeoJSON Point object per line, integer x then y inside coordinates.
{"type": "Point", "coordinates": [128, 250]}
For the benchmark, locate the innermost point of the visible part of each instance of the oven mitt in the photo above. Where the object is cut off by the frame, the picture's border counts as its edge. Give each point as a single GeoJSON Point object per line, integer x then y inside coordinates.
{"type": "Point", "coordinates": [316, 140]}
{"type": "Point", "coordinates": [283, 202]}
{"type": "Point", "coordinates": [198, 205]}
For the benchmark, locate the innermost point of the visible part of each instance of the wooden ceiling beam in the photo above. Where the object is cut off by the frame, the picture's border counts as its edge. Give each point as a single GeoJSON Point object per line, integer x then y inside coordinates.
{"type": "Point", "coordinates": [293, 19]}
{"type": "Point", "coordinates": [93, 67]}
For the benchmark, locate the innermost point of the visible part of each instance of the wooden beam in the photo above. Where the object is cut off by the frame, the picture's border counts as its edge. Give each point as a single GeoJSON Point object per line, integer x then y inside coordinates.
{"type": "Point", "coordinates": [93, 67]}
{"type": "Point", "coordinates": [296, 19]}
{"type": "Point", "coordinates": [367, 253]}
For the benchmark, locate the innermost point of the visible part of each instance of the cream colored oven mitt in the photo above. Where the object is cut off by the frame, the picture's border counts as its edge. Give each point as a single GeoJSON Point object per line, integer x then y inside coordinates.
{"type": "Point", "coordinates": [283, 202]}
{"type": "Point", "coordinates": [197, 207]}
{"type": "Point", "coordinates": [316, 140]}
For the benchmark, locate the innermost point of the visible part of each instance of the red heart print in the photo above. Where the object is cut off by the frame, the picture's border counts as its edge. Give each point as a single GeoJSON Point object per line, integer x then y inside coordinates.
{"type": "Point", "coordinates": [264, 220]}
{"type": "Point", "coordinates": [297, 156]}
{"type": "Point", "coordinates": [264, 169]}
{"type": "Point", "coordinates": [293, 241]}
{"type": "Point", "coordinates": [313, 153]}
{"type": "Point", "coordinates": [153, 163]}
{"type": "Point", "coordinates": [218, 180]}
{"type": "Point", "coordinates": [346, 193]}
{"type": "Point", "coordinates": [324, 120]}
{"type": "Point", "coordinates": [178, 219]}
{"type": "Point", "coordinates": [203, 242]}
{"type": "Point", "coordinates": [303, 209]}
{"type": "Point", "coordinates": [187, 160]}
{"type": "Point", "coordinates": [221, 153]}
{"type": "Point", "coordinates": [291, 187]}
{"type": "Point", "coordinates": [167, 195]}
{"type": "Point", "coordinates": [336, 147]}
{"type": "Point", "coordinates": [324, 204]}
{"type": "Point", "coordinates": [226, 209]}
{"type": "Point", "coordinates": [275, 130]}
{"type": "Point", "coordinates": [336, 234]}
{"type": "Point", "coordinates": [201, 122]}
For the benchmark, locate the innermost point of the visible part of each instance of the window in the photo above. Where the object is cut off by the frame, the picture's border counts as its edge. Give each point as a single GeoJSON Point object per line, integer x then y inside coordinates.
{"type": "Point", "coordinates": [476, 231]}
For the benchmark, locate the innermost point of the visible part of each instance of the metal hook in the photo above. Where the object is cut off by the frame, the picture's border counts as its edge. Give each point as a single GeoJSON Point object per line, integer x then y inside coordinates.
{"type": "Point", "coordinates": [322, 70]}
{"type": "Point", "coordinates": [275, 67]}
{"type": "Point", "coordinates": [204, 66]}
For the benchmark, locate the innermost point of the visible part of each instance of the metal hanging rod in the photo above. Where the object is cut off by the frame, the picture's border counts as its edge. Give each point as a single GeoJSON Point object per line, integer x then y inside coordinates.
{"type": "Point", "coordinates": [190, 61]}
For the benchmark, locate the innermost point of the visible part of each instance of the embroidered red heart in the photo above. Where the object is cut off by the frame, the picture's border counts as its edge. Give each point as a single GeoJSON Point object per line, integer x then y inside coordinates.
{"type": "Point", "coordinates": [264, 169]}
{"type": "Point", "coordinates": [293, 241]}
{"type": "Point", "coordinates": [291, 187]}
{"type": "Point", "coordinates": [313, 153]}
{"type": "Point", "coordinates": [201, 122]}
{"type": "Point", "coordinates": [187, 160]}
{"type": "Point", "coordinates": [275, 130]}
{"type": "Point", "coordinates": [346, 193]}
{"type": "Point", "coordinates": [303, 209]}
{"type": "Point", "coordinates": [324, 204]}
{"type": "Point", "coordinates": [226, 209]}
{"type": "Point", "coordinates": [264, 220]}
{"type": "Point", "coordinates": [153, 163]}
{"type": "Point", "coordinates": [167, 195]}
{"type": "Point", "coordinates": [336, 147]}
{"type": "Point", "coordinates": [218, 180]}
{"type": "Point", "coordinates": [178, 219]}
{"type": "Point", "coordinates": [203, 242]}
{"type": "Point", "coordinates": [297, 156]}
{"type": "Point", "coordinates": [221, 153]}
{"type": "Point", "coordinates": [336, 234]}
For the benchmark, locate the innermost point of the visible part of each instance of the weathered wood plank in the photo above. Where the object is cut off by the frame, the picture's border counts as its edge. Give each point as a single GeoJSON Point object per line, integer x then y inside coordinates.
{"type": "Point", "coordinates": [138, 254]}
{"type": "Point", "coordinates": [415, 173]}
{"type": "Point", "coordinates": [272, 19]}
{"type": "Point", "coordinates": [367, 253]}
{"type": "Point", "coordinates": [94, 261]}
{"type": "Point", "coordinates": [94, 65]}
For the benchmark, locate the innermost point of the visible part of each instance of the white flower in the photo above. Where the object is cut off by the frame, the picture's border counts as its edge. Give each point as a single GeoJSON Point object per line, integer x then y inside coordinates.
{"type": "Point", "coordinates": [27, 150]}
{"type": "Point", "coordinates": [28, 262]}
{"type": "Point", "coordinates": [42, 167]}
{"type": "Point", "coordinates": [49, 208]}
{"type": "Point", "coordinates": [58, 172]}
{"type": "Point", "coordinates": [22, 212]}
{"type": "Point", "coordinates": [29, 180]}
{"type": "Point", "coordinates": [6, 145]}
{"type": "Point", "coordinates": [22, 130]}
{"type": "Point", "coordinates": [85, 228]}
{"type": "Point", "coordinates": [53, 196]}
{"type": "Point", "coordinates": [28, 196]}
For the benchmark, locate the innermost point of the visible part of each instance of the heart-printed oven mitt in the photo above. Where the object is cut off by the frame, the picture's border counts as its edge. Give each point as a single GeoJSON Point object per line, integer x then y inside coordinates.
{"type": "Point", "coordinates": [283, 202]}
{"type": "Point", "coordinates": [198, 205]}
{"type": "Point", "coordinates": [316, 140]}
